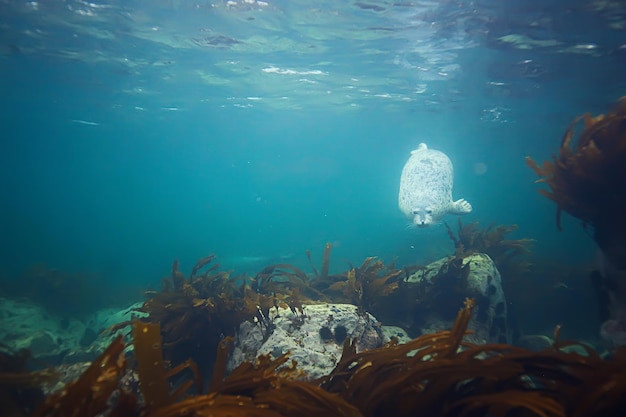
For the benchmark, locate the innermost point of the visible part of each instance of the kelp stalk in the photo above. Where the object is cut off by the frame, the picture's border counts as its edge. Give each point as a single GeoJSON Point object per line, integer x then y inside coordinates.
{"type": "Point", "coordinates": [326, 261]}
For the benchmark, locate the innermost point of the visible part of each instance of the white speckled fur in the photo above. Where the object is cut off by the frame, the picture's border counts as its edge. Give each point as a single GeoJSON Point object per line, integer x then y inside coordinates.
{"type": "Point", "coordinates": [426, 188]}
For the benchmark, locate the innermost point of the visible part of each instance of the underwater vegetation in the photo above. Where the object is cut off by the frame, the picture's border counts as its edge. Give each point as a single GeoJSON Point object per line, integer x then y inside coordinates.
{"type": "Point", "coordinates": [195, 313]}
{"type": "Point", "coordinates": [366, 286]}
{"type": "Point", "coordinates": [509, 255]}
{"type": "Point", "coordinates": [586, 179]}
{"type": "Point", "coordinates": [20, 390]}
{"type": "Point", "coordinates": [438, 374]}
{"type": "Point", "coordinates": [90, 393]}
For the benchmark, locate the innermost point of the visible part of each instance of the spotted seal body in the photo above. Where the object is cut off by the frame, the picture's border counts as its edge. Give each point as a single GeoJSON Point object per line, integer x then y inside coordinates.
{"type": "Point", "coordinates": [426, 188]}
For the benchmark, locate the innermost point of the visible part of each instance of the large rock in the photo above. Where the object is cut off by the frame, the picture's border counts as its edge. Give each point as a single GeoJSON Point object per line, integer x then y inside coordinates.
{"type": "Point", "coordinates": [54, 339]}
{"type": "Point", "coordinates": [439, 290]}
{"type": "Point", "coordinates": [314, 339]}
{"type": "Point", "coordinates": [28, 326]}
{"type": "Point", "coordinates": [433, 295]}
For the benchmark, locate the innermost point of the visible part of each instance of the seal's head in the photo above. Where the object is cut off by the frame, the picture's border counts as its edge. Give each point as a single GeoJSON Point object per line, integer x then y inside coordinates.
{"type": "Point", "coordinates": [423, 216]}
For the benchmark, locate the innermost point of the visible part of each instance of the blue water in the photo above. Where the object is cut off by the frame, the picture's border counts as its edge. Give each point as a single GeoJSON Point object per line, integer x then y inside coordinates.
{"type": "Point", "coordinates": [136, 133]}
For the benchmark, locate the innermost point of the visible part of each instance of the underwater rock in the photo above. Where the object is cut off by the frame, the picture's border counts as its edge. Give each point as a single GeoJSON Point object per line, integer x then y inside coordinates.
{"type": "Point", "coordinates": [443, 283]}
{"type": "Point", "coordinates": [395, 331]}
{"type": "Point", "coordinates": [26, 325]}
{"type": "Point", "coordinates": [89, 337]}
{"type": "Point", "coordinates": [54, 339]}
{"type": "Point", "coordinates": [98, 323]}
{"type": "Point", "coordinates": [42, 343]}
{"type": "Point", "coordinates": [609, 282]}
{"type": "Point", "coordinates": [300, 335]}
{"type": "Point", "coordinates": [66, 374]}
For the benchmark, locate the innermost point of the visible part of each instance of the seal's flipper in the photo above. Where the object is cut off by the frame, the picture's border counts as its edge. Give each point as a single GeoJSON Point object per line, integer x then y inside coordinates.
{"type": "Point", "coordinates": [460, 207]}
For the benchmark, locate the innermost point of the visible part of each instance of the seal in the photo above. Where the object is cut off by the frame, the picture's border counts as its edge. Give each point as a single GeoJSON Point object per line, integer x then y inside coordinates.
{"type": "Point", "coordinates": [426, 188]}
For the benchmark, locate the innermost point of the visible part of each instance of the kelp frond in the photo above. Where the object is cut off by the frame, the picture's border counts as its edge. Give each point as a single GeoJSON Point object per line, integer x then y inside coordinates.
{"type": "Point", "coordinates": [586, 179]}
{"type": "Point", "coordinates": [440, 374]}
{"type": "Point", "coordinates": [501, 403]}
{"type": "Point", "coordinates": [89, 394]}
{"type": "Point", "coordinates": [381, 381]}
{"type": "Point", "coordinates": [365, 286]}
{"type": "Point", "coordinates": [509, 255]}
{"type": "Point", "coordinates": [194, 313]}
{"type": "Point", "coordinates": [153, 374]}
{"type": "Point", "coordinates": [266, 389]}
{"type": "Point", "coordinates": [21, 389]}
{"type": "Point", "coordinates": [436, 374]}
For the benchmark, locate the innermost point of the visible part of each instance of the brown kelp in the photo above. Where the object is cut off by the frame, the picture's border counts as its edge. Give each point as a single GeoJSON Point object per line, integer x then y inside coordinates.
{"type": "Point", "coordinates": [326, 261]}
{"type": "Point", "coordinates": [586, 179]}
{"type": "Point", "coordinates": [20, 389]}
{"type": "Point", "coordinates": [152, 371]}
{"type": "Point", "coordinates": [196, 312]}
{"type": "Point", "coordinates": [366, 286]}
{"type": "Point", "coordinates": [509, 255]}
{"type": "Point", "coordinates": [442, 375]}
{"type": "Point", "coordinates": [439, 374]}
{"type": "Point", "coordinates": [90, 394]}
{"type": "Point", "coordinates": [193, 313]}
{"type": "Point", "coordinates": [264, 389]}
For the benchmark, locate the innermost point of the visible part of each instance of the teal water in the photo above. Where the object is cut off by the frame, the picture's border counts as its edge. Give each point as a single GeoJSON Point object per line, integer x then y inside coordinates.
{"type": "Point", "coordinates": [136, 133]}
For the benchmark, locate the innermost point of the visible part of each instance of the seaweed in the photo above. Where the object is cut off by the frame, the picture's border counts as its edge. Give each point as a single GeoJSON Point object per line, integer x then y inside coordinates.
{"type": "Point", "coordinates": [509, 255]}
{"type": "Point", "coordinates": [366, 286]}
{"type": "Point", "coordinates": [308, 256]}
{"type": "Point", "coordinates": [283, 279]}
{"type": "Point", "coordinates": [178, 278]}
{"type": "Point", "coordinates": [586, 179]}
{"type": "Point", "coordinates": [89, 394]}
{"type": "Point", "coordinates": [325, 268]}
{"type": "Point", "coordinates": [269, 388]}
{"type": "Point", "coordinates": [201, 264]}
{"type": "Point", "coordinates": [326, 261]}
{"type": "Point", "coordinates": [21, 389]}
{"type": "Point", "coordinates": [441, 374]}
{"type": "Point", "coordinates": [287, 286]}
{"type": "Point", "coordinates": [151, 368]}
{"type": "Point", "coordinates": [436, 374]}
{"type": "Point", "coordinates": [265, 379]}
{"type": "Point", "coordinates": [195, 313]}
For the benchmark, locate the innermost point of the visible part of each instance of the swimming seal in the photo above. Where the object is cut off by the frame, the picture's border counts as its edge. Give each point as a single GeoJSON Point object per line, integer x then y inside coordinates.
{"type": "Point", "coordinates": [426, 188]}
